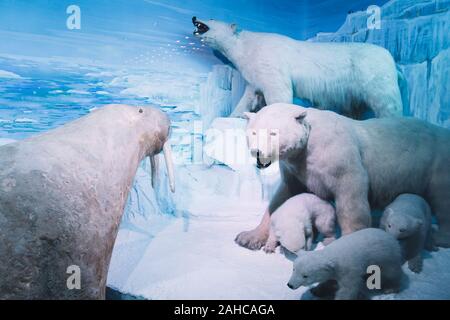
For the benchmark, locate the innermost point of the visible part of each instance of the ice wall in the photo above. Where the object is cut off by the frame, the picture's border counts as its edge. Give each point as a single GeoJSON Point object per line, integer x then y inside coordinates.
{"type": "Point", "coordinates": [220, 93]}
{"type": "Point", "coordinates": [416, 32]}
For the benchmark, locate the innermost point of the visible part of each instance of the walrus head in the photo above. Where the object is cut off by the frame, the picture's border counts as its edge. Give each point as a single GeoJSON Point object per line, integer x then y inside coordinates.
{"type": "Point", "coordinates": [155, 139]}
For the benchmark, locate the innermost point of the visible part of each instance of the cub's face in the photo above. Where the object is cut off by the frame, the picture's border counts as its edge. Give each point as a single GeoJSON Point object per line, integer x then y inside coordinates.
{"type": "Point", "coordinates": [275, 132]}
{"type": "Point", "coordinates": [309, 269]}
{"type": "Point", "coordinates": [401, 226]}
{"type": "Point", "coordinates": [213, 32]}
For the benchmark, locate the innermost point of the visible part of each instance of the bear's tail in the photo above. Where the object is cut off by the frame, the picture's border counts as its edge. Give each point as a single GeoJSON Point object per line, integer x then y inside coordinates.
{"type": "Point", "coordinates": [403, 85]}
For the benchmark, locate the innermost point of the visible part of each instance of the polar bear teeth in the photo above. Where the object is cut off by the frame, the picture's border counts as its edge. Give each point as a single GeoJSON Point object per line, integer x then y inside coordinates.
{"type": "Point", "coordinates": [201, 27]}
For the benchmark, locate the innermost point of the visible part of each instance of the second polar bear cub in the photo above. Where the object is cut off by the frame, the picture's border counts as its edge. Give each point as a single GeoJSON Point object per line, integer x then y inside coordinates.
{"type": "Point", "coordinates": [408, 218]}
{"type": "Point", "coordinates": [295, 223]}
{"type": "Point", "coordinates": [346, 262]}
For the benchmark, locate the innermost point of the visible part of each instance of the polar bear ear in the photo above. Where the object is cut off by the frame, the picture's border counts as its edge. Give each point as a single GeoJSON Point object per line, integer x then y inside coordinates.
{"type": "Point", "coordinates": [301, 115]}
{"type": "Point", "coordinates": [249, 115]}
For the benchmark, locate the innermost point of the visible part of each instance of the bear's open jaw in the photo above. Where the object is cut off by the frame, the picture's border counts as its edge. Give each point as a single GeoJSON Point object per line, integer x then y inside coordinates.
{"type": "Point", "coordinates": [201, 27]}
{"type": "Point", "coordinates": [262, 164]}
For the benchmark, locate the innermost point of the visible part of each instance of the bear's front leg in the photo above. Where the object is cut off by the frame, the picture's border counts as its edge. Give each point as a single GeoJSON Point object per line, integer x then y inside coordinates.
{"type": "Point", "coordinates": [255, 239]}
{"type": "Point", "coordinates": [352, 204]}
{"type": "Point", "coordinates": [350, 288]}
{"type": "Point", "coordinates": [325, 289]}
{"type": "Point", "coordinates": [246, 102]}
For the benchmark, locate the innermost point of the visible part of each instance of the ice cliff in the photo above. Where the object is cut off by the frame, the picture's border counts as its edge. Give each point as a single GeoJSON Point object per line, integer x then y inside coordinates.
{"type": "Point", "coordinates": [416, 32]}
{"type": "Point", "coordinates": [220, 93]}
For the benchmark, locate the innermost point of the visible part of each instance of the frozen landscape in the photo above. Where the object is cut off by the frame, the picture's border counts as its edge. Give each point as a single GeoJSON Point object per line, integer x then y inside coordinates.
{"type": "Point", "coordinates": [181, 246]}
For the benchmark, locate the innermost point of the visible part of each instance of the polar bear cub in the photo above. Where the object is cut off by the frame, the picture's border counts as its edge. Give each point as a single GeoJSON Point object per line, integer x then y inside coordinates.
{"type": "Point", "coordinates": [346, 262]}
{"type": "Point", "coordinates": [408, 219]}
{"type": "Point", "coordinates": [294, 223]}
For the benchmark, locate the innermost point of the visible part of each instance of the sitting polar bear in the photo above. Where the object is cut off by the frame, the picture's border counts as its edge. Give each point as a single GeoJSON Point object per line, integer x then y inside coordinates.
{"type": "Point", "coordinates": [408, 219]}
{"type": "Point", "coordinates": [358, 164]}
{"type": "Point", "coordinates": [350, 78]}
{"type": "Point", "coordinates": [346, 262]}
{"type": "Point", "coordinates": [294, 223]}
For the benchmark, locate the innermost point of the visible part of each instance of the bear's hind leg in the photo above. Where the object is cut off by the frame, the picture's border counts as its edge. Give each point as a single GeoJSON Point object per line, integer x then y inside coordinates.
{"type": "Point", "coordinates": [429, 242]}
{"type": "Point", "coordinates": [441, 208]}
{"type": "Point", "coordinates": [392, 279]}
{"type": "Point", "coordinates": [245, 104]}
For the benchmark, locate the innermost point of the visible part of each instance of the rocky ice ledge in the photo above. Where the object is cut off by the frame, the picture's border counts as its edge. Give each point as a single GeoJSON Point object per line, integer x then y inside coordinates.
{"type": "Point", "coordinates": [416, 34]}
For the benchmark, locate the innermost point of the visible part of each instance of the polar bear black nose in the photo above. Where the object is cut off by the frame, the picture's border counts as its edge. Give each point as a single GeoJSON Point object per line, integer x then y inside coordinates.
{"type": "Point", "coordinates": [262, 164]}
{"type": "Point", "coordinates": [402, 230]}
{"type": "Point", "coordinates": [290, 286]}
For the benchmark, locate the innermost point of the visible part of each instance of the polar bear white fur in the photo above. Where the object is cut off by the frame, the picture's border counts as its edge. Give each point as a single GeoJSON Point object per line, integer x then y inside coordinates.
{"type": "Point", "coordinates": [350, 78]}
{"type": "Point", "coordinates": [361, 165]}
{"type": "Point", "coordinates": [408, 219]}
{"type": "Point", "coordinates": [346, 261]}
{"type": "Point", "coordinates": [296, 222]}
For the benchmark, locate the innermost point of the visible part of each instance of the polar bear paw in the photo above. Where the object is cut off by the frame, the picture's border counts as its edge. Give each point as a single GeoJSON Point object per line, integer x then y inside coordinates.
{"type": "Point", "coordinates": [253, 240]}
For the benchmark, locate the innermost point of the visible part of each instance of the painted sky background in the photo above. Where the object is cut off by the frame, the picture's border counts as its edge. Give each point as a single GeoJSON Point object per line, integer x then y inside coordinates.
{"type": "Point", "coordinates": [118, 31]}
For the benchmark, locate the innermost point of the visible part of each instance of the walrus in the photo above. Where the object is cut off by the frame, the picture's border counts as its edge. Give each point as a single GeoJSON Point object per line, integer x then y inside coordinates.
{"type": "Point", "coordinates": [62, 196]}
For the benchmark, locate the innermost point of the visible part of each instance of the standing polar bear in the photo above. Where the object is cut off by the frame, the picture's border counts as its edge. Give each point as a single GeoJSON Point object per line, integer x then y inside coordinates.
{"type": "Point", "coordinates": [358, 164]}
{"type": "Point", "coordinates": [350, 78]}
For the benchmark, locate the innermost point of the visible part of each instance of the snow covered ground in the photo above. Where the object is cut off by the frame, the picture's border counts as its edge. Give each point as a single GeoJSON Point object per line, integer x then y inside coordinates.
{"type": "Point", "coordinates": [192, 254]}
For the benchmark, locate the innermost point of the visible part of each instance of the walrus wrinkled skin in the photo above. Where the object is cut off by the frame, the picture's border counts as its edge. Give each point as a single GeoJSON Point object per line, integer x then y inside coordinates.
{"type": "Point", "coordinates": [361, 165]}
{"type": "Point", "coordinates": [62, 196]}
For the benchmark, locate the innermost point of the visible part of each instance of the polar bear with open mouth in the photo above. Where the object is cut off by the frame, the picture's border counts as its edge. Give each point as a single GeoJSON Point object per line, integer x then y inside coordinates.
{"type": "Point", "coordinates": [350, 78]}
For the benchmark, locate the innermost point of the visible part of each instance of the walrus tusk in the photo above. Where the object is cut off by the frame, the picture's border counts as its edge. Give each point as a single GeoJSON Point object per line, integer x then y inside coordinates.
{"type": "Point", "coordinates": [169, 165]}
{"type": "Point", "coordinates": [154, 170]}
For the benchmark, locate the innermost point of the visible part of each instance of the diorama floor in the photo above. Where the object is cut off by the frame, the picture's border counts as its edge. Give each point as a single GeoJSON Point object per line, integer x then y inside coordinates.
{"type": "Point", "coordinates": [195, 257]}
